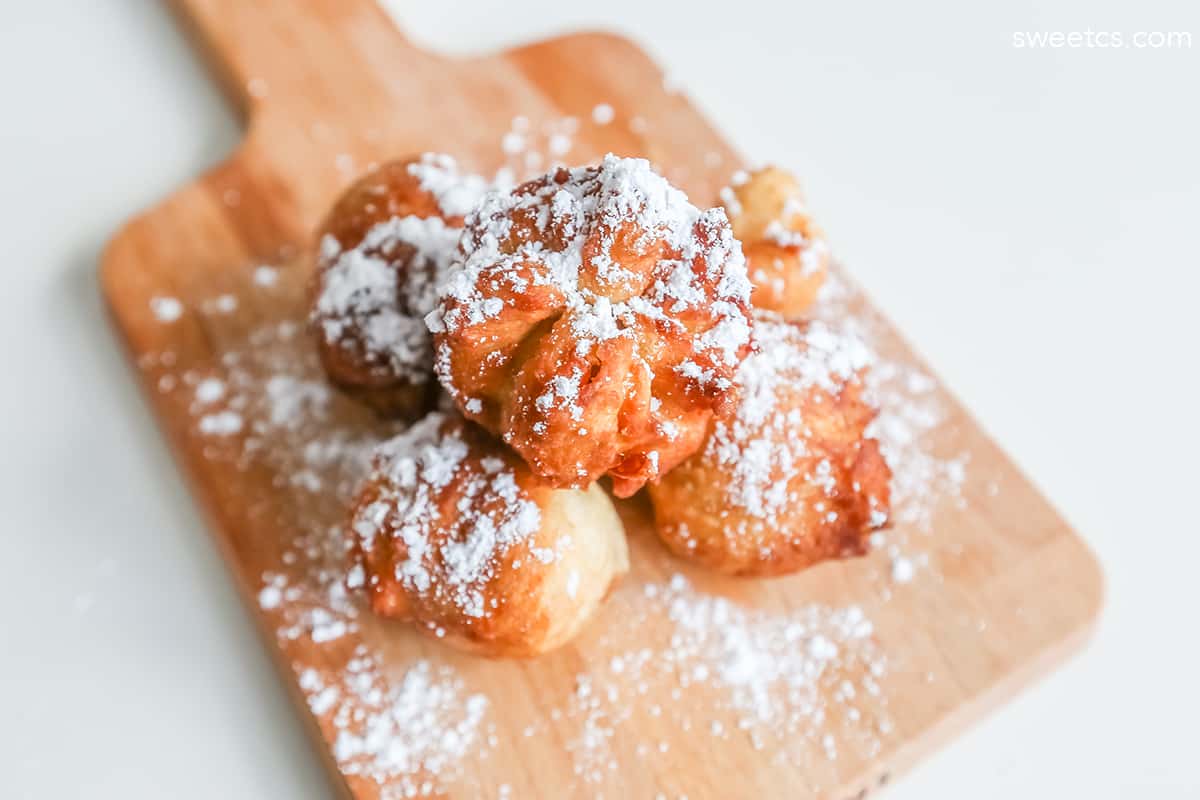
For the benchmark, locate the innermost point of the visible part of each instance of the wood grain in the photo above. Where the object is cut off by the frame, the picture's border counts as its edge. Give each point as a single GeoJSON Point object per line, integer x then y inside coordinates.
{"type": "Point", "coordinates": [328, 87]}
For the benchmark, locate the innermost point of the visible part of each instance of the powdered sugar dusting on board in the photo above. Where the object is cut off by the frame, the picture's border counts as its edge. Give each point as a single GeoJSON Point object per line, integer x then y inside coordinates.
{"type": "Point", "coordinates": [786, 682]}
{"type": "Point", "coordinates": [166, 309]}
{"type": "Point", "coordinates": [925, 477]}
{"type": "Point", "coordinates": [408, 732]}
{"type": "Point", "coordinates": [532, 148]}
{"type": "Point", "coordinates": [411, 728]}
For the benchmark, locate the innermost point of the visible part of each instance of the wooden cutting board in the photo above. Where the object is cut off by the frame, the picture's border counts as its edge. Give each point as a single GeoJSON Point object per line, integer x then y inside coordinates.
{"type": "Point", "coordinates": [980, 587]}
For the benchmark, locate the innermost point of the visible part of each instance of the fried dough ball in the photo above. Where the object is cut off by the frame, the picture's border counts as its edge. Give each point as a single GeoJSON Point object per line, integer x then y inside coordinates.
{"type": "Point", "coordinates": [790, 478]}
{"type": "Point", "coordinates": [786, 253]}
{"type": "Point", "coordinates": [595, 322]}
{"type": "Point", "coordinates": [456, 535]}
{"type": "Point", "coordinates": [381, 252]}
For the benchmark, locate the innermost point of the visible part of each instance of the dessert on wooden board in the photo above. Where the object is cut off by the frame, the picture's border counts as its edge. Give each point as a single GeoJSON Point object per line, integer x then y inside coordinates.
{"type": "Point", "coordinates": [594, 321]}
{"type": "Point", "coordinates": [823, 684]}
{"type": "Point", "coordinates": [786, 253]}
{"type": "Point", "coordinates": [381, 255]}
{"type": "Point", "coordinates": [456, 534]}
{"type": "Point", "coordinates": [789, 477]}
{"type": "Point", "coordinates": [589, 323]}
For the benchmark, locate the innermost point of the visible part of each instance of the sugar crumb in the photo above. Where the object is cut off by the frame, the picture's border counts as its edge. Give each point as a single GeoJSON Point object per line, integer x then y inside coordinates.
{"type": "Point", "coordinates": [166, 309]}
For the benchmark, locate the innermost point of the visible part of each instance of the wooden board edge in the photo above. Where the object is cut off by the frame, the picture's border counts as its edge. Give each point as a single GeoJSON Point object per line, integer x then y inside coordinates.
{"type": "Point", "coordinates": [944, 730]}
{"type": "Point", "coordinates": [580, 38]}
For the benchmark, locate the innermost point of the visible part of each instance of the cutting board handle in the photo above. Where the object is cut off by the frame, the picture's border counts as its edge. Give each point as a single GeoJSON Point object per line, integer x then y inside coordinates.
{"type": "Point", "coordinates": [281, 52]}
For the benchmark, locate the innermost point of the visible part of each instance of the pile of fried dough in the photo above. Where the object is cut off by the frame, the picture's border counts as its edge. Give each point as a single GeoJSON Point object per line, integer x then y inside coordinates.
{"type": "Point", "coordinates": [587, 334]}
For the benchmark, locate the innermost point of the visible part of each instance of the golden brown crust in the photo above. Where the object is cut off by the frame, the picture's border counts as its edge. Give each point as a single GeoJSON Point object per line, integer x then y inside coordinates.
{"type": "Point", "coordinates": [790, 478]}
{"type": "Point", "coordinates": [455, 534]}
{"type": "Point", "coordinates": [379, 254]}
{"type": "Point", "coordinates": [390, 190]}
{"type": "Point", "coordinates": [595, 323]}
{"type": "Point", "coordinates": [786, 254]}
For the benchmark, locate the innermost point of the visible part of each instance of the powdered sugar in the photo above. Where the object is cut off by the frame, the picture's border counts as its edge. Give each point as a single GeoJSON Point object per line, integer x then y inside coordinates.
{"type": "Point", "coordinates": [374, 295]}
{"type": "Point", "coordinates": [364, 296]}
{"type": "Point", "coordinates": [209, 391]}
{"type": "Point", "coordinates": [531, 149]}
{"type": "Point", "coordinates": [450, 558]}
{"type": "Point", "coordinates": [166, 309]}
{"type": "Point", "coordinates": [902, 569]}
{"type": "Point", "coordinates": [457, 192]}
{"type": "Point", "coordinates": [764, 442]}
{"type": "Point", "coordinates": [410, 729]}
{"type": "Point", "coordinates": [265, 276]}
{"type": "Point", "coordinates": [562, 392]}
{"type": "Point", "coordinates": [622, 196]}
{"type": "Point", "coordinates": [292, 399]}
{"type": "Point", "coordinates": [406, 732]}
{"type": "Point", "coordinates": [909, 411]}
{"type": "Point", "coordinates": [925, 477]}
{"type": "Point", "coordinates": [785, 681]}
{"type": "Point", "coordinates": [221, 423]}
{"type": "Point", "coordinates": [753, 656]}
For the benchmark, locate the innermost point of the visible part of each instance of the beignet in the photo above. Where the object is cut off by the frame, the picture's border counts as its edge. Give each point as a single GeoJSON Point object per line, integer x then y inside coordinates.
{"type": "Point", "coordinates": [381, 252]}
{"type": "Point", "coordinates": [789, 478]}
{"type": "Point", "coordinates": [786, 253]}
{"type": "Point", "coordinates": [455, 534]}
{"type": "Point", "coordinates": [595, 321]}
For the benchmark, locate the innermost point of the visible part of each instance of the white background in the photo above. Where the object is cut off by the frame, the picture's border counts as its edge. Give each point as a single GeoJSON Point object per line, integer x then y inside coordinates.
{"type": "Point", "coordinates": [1028, 218]}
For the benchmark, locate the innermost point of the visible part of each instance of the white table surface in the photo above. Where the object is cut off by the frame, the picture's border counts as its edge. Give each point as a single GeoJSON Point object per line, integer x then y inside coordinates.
{"type": "Point", "coordinates": [1028, 217]}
